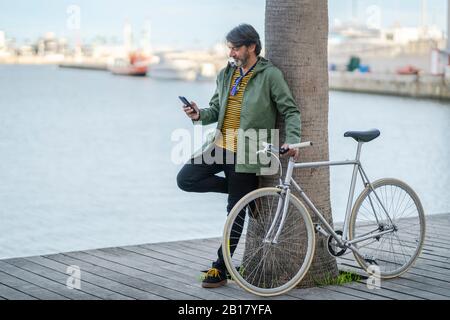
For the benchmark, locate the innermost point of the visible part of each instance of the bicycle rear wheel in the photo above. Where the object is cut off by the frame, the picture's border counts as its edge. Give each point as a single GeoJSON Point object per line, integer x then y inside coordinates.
{"type": "Point", "coordinates": [262, 267]}
{"type": "Point", "coordinates": [396, 209]}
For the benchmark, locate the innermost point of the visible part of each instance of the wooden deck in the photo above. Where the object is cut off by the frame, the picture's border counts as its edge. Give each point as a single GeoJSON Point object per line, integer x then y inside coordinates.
{"type": "Point", "coordinates": [172, 271]}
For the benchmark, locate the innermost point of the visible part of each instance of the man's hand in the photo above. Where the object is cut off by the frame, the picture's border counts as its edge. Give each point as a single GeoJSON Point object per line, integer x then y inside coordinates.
{"type": "Point", "coordinates": [291, 153]}
{"type": "Point", "coordinates": [192, 112]}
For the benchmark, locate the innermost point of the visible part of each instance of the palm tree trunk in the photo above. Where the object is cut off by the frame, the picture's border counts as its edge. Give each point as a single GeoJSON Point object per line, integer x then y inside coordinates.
{"type": "Point", "coordinates": [296, 35]}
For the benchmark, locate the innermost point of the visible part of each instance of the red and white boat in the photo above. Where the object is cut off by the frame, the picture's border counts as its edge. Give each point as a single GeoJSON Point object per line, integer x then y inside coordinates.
{"type": "Point", "coordinates": [133, 66]}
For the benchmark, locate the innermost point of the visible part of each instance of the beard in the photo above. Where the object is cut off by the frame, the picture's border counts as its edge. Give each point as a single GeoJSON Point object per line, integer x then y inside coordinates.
{"type": "Point", "coordinates": [240, 61]}
{"type": "Point", "coordinates": [235, 62]}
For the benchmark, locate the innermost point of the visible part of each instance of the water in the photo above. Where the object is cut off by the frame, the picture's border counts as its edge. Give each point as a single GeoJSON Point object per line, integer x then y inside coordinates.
{"type": "Point", "coordinates": [85, 158]}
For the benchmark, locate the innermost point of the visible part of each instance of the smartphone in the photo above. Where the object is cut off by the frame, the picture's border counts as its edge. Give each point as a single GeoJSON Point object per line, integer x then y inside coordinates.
{"type": "Point", "coordinates": [185, 101]}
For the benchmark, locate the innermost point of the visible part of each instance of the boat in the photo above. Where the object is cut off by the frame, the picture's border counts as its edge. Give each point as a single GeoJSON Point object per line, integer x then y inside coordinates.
{"type": "Point", "coordinates": [134, 65]}
{"type": "Point", "coordinates": [406, 70]}
{"type": "Point", "coordinates": [174, 69]}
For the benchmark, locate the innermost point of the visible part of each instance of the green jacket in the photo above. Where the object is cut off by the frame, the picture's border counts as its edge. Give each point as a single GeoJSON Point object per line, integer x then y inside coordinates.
{"type": "Point", "coordinates": [266, 93]}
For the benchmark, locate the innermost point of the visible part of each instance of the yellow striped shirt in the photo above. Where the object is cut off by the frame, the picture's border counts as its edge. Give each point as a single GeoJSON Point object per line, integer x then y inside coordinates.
{"type": "Point", "coordinates": [231, 122]}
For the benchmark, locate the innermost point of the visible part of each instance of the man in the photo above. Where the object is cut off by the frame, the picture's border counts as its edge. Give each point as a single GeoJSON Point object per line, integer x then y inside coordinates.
{"type": "Point", "coordinates": [249, 93]}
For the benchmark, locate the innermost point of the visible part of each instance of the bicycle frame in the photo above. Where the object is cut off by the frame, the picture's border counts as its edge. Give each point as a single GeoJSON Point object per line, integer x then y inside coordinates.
{"type": "Point", "coordinates": [288, 181]}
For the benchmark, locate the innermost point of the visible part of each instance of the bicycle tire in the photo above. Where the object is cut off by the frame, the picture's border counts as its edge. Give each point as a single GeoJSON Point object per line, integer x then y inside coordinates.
{"type": "Point", "coordinates": [242, 274]}
{"type": "Point", "coordinates": [406, 240]}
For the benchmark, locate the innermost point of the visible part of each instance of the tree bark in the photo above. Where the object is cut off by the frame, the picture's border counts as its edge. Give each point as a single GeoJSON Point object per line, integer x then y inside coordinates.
{"type": "Point", "coordinates": [296, 35]}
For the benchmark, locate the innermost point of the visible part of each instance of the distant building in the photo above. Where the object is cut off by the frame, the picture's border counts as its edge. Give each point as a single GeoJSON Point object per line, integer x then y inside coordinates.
{"type": "Point", "coordinates": [448, 26]}
{"type": "Point", "coordinates": [402, 35]}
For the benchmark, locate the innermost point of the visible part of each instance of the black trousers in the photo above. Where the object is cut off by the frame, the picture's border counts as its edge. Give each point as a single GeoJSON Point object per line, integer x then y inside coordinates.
{"type": "Point", "coordinates": [198, 176]}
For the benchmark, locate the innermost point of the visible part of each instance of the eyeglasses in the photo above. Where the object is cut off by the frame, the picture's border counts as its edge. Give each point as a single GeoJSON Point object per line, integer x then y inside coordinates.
{"type": "Point", "coordinates": [236, 48]}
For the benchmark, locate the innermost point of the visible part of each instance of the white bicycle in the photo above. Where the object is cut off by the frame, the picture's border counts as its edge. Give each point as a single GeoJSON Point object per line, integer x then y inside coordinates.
{"type": "Point", "coordinates": [269, 237]}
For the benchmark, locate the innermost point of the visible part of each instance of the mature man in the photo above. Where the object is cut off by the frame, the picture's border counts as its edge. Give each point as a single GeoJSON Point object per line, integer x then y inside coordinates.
{"type": "Point", "coordinates": [250, 91]}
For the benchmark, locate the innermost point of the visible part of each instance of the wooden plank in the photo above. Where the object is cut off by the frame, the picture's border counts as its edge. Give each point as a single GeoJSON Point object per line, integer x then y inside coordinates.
{"type": "Point", "coordinates": [368, 295]}
{"type": "Point", "coordinates": [190, 269]}
{"type": "Point", "coordinates": [171, 270]}
{"type": "Point", "coordinates": [431, 245]}
{"type": "Point", "coordinates": [434, 235]}
{"type": "Point", "coordinates": [145, 256]}
{"type": "Point", "coordinates": [137, 261]}
{"type": "Point", "coordinates": [429, 266]}
{"type": "Point", "coordinates": [415, 270]}
{"type": "Point", "coordinates": [320, 293]}
{"type": "Point", "coordinates": [210, 255]}
{"type": "Point", "coordinates": [440, 226]}
{"type": "Point", "coordinates": [432, 249]}
{"type": "Point", "coordinates": [157, 276]}
{"type": "Point", "coordinates": [335, 288]}
{"type": "Point", "coordinates": [8, 293]}
{"type": "Point", "coordinates": [362, 287]}
{"type": "Point", "coordinates": [409, 290]}
{"type": "Point", "coordinates": [427, 282]}
{"type": "Point", "coordinates": [382, 291]}
{"type": "Point", "coordinates": [36, 279]}
{"type": "Point", "coordinates": [180, 257]}
{"type": "Point", "coordinates": [28, 288]}
{"type": "Point", "coordinates": [60, 278]}
{"type": "Point", "coordinates": [197, 247]}
{"type": "Point", "coordinates": [210, 244]}
{"type": "Point", "coordinates": [428, 287]}
{"type": "Point", "coordinates": [187, 254]}
{"type": "Point", "coordinates": [182, 273]}
{"type": "Point", "coordinates": [106, 279]}
{"type": "Point", "coordinates": [439, 264]}
{"type": "Point", "coordinates": [443, 221]}
{"type": "Point", "coordinates": [442, 215]}
{"type": "Point", "coordinates": [394, 288]}
{"type": "Point", "coordinates": [433, 285]}
{"type": "Point", "coordinates": [92, 288]}
{"type": "Point", "coordinates": [439, 268]}
{"type": "Point", "coordinates": [429, 250]}
{"type": "Point", "coordinates": [171, 250]}
{"type": "Point", "coordinates": [166, 257]}
{"type": "Point", "coordinates": [124, 275]}
{"type": "Point", "coordinates": [176, 249]}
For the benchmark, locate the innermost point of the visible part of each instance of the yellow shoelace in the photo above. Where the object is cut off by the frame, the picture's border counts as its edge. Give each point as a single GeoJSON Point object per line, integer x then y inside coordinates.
{"type": "Point", "coordinates": [213, 272]}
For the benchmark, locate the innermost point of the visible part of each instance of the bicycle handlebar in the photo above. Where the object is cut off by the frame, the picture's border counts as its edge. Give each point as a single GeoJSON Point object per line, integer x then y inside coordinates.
{"type": "Point", "coordinates": [268, 146]}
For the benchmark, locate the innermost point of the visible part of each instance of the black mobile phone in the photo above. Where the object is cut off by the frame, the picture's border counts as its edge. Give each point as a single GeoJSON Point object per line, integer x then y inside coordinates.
{"type": "Point", "coordinates": [185, 101]}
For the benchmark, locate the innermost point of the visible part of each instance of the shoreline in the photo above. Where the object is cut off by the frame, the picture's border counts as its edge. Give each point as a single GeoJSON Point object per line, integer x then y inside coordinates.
{"type": "Point", "coordinates": [426, 86]}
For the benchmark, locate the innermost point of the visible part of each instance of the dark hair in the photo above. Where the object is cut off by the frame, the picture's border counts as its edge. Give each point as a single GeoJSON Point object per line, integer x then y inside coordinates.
{"type": "Point", "coordinates": [244, 34]}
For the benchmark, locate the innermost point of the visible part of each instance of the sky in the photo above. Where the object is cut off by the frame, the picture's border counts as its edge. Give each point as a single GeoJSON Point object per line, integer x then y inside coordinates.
{"type": "Point", "coordinates": [185, 24]}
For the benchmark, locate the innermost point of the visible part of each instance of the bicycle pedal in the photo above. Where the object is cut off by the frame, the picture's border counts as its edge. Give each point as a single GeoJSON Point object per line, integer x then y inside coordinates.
{"type": "Point", "coordinates": [371, 261]}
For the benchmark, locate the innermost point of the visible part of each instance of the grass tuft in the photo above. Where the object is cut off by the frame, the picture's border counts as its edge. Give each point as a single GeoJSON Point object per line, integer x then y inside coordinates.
{"type": "Point", "coordinates": [343, 278]}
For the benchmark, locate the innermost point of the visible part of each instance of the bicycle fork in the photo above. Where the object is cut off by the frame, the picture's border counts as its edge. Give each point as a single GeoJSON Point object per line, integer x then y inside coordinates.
{"type": "Point", "coordinates": [284, 199]}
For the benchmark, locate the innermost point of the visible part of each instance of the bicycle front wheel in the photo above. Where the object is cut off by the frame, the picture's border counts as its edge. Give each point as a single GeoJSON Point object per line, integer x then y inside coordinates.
{"type": "Point", "coordinates": [253, 260]}
{"type": "Point", "coordinates": [394, 212]}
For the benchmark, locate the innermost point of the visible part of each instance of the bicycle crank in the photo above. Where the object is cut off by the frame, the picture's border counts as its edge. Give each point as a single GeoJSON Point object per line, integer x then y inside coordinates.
{"type": "Point", "coordinates": [333, 247]}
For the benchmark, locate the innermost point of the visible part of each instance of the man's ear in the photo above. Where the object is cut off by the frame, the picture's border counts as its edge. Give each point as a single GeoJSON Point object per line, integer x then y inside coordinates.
{"type": "Point", "coordinates": [252, 47]}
